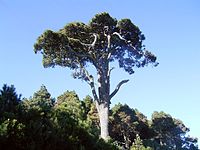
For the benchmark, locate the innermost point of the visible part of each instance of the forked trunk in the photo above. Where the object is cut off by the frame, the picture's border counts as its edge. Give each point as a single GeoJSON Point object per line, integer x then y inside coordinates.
{"type": "Point", "coordinates": [103, 111]}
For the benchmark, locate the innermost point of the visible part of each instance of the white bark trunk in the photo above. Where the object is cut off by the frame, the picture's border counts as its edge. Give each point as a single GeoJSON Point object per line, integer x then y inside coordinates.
{"type": "Point", "coordinates": [103, 111]}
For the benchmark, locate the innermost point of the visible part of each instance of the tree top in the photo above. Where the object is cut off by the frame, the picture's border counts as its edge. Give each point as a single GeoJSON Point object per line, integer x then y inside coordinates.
{"type": "Point", "coordinates": [104, 39]}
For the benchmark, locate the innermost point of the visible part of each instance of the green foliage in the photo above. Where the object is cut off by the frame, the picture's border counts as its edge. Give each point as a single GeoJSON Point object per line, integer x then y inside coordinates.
{"type": "Point", "coordinates": [87, 102]}
{"type": "Point", "coordinates": [40, 123]}
{"type": "Point", "coordinates": [138, 144]}
{"type": "Point", "coordinates": [8, 102]}
{"type": "Point", "coordinates": [162, 132]}
{"type": "Point", "coordinates": [123, 124]}
{"type": "Point", "coordinates": [71, 103]}
{"type": "Point", "coordinates": [126, 123]}
{"type": "Point", "coordinates": [71, 46]}
{"type": "Point", "coordinates": [40, 102]}
{"type": "Point", "coordinates": [70, 118]}
{"type": "Point", "coordinates": [170, 133]}
{"type": "Point", "coordinates": [68, 96]}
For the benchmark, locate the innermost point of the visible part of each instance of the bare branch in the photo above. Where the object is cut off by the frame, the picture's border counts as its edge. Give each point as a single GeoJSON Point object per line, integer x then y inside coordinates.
{"type": "Point", "coordinates": [108, 37]}
{"type": "Point", "coordinates": [93, 43]}
{"type": "Point", "coordinates": [123, 39]}
{"type": "Point", "coordinates": [85, 71]}
{"type": "Point", "coordinates": [120, 37]}
{"type": "Point", "coordinates": [94, 91]}
{"type": "Point", "coordinates": [117, 88]}
{"type": "Point", "coordinates": [111, 50]}
{"type": "Point", "coordinates": [109, 72]}
{"type": "Point", "coordinates": [90, 47]}
{"type": "Point", "coordinates": [109, 55]}
{"type": "Point", "coordinates": [82, 55]}
{"type": "Point", "coordinates": [90, 82]}
{"type": "Point", "coordinates": [95, 40]}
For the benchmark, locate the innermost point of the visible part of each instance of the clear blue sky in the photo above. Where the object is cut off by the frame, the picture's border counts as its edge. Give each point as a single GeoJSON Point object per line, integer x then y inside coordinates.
{"type": "Point", "coordinates": [172, 30]}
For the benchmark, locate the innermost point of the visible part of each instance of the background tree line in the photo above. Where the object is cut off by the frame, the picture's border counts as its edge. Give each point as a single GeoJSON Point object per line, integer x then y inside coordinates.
{"type": "Point", "coordinates": [43, 122]}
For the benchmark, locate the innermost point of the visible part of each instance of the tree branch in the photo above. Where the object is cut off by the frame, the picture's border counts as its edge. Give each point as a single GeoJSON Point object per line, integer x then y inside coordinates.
{"type": "Point", "coordinates": [120, 37]}
{"type": "Point", "coordinates": [111, 50]}
{"type": "Point", "coordinates": [85, 71]}
{"type": "Point", "coordinates": [109, 71]}
{"type": "Point", "coordinates": [94, 91]}
{"type": "Point", "coordinates": [108, 37]}
{"type": "Point", "coordinates": [117, 88]}
{"type": "Point", "coordinates": [83, 55]}
{"type": "Point", "coordinates": [90, 81]}
{"type": "Point", "coordinates": [123, 39]}
{"type": "Point", "coordinates": [89, 49]}
{"type": "Point", "coordinates": [93, 43]}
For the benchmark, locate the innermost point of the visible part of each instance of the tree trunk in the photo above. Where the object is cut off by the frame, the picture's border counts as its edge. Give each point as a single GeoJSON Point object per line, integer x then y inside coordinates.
{"type": "Point", "coordinates": [103, 111]}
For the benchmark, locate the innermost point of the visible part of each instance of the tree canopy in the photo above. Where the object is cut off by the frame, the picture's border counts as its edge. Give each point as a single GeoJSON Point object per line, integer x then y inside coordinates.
{"type": "Point", "coordinates": [78, 44]}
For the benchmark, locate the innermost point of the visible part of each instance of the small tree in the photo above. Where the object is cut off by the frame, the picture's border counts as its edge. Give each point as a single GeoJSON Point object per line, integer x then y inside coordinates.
{"type": "Point", "coordinates": [9, 101]}
{"type": "Point", "coordinates": [98, 43]}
